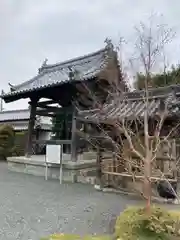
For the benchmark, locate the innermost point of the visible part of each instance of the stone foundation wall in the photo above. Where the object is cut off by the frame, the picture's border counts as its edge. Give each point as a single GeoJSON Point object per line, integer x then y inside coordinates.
{"type": "Point", "coordinates": [83, 172]}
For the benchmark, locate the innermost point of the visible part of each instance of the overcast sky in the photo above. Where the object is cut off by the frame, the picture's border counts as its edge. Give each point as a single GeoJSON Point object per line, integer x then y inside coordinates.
{"type": "Point", "coordinates": [32, 30]}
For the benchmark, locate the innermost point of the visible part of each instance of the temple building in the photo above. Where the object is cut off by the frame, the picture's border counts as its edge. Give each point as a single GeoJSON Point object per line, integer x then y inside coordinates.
{"type": "Point", "coordinates": [69, 85]}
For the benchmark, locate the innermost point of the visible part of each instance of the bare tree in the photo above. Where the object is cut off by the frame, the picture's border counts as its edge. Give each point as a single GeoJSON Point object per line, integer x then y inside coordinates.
{"type": "Point", "coordinates": [150, 45]}
{"type": "Point", "coordinates": [132, 124]}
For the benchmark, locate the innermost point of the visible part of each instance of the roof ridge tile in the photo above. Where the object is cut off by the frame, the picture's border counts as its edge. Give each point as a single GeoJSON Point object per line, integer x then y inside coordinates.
{"type": "Point", "coordinates": [56, 74]}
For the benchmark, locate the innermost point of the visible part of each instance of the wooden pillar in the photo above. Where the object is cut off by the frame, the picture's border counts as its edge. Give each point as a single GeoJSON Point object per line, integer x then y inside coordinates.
{"type": "Point", "coordinates": [31, 124]}
{"type": "Point", "coordinates": [67, 137]}
{"type": "Point", "coordinates": [73, 140]}
{"type": "Point", "coordinates": [37, 131]}
{"type": "Point", "coordinates": [73, 145]}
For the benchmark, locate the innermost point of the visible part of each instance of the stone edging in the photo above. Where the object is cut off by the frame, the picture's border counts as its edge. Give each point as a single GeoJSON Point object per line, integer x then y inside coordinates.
{"type": "Point", "coordinates": [69, 165]}
{"type": "Point", "coordinates": [154, 199]}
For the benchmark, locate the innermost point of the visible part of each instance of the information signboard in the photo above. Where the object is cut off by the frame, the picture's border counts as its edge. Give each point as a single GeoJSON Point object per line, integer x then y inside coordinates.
{"type": "Point", "coordinates": [53, 154]}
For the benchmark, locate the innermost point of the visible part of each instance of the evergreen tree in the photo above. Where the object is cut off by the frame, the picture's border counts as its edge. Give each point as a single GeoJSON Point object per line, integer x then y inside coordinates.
{"type": "Point", "coordinates": [159, 79]}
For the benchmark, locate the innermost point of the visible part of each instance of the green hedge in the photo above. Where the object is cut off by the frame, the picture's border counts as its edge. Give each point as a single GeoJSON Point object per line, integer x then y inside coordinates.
{"type": "Point", "coordinates": [20, 143]}
{"type": "Point", "coordinates": [75, 237]}
{"type": "Point", "coordinates": [135, 224]}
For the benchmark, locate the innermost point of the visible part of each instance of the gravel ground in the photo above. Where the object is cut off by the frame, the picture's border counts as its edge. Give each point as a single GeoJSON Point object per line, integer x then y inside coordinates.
{"type": "Point", "coordinates": [31, 207]}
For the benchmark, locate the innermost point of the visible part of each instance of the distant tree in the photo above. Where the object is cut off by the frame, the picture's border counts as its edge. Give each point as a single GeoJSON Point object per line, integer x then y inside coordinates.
{"type": "Point", "coordinates": [170, 77]}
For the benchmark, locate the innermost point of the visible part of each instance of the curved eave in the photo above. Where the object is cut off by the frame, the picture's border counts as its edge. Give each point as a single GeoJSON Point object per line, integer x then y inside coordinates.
{"type": "Point", "coordinates": [16, 95]}
{"type": "Point", "coordinates": [51, 66]}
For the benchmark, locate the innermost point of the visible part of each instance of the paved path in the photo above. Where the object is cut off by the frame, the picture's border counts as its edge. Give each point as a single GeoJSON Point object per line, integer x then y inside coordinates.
{"type": "Point", "coordinates": [31, 207]}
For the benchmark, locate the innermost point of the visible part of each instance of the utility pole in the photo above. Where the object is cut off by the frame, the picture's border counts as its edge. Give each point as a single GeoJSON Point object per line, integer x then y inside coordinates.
{"type": "Point", "coordinates": [1, 103]}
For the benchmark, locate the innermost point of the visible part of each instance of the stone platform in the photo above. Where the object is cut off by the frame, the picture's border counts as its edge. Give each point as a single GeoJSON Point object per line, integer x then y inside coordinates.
{"type": "Point", "coordinates": [81, 171]}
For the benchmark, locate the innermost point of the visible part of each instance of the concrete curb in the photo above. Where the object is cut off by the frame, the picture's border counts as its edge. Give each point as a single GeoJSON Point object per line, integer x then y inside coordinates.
{"type": "Point", "coordinates": [135, 195]}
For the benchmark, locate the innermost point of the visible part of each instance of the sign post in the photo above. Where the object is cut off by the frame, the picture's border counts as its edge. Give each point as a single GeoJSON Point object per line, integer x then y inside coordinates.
{"type": "Point", "coordinates": [54, 155]}
{"type": "Point", "coordinates": [61, 164]}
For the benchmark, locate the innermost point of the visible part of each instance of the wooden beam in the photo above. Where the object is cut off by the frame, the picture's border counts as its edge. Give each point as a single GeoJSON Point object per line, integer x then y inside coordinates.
{"type": "Point", "coordinates": [96, 121]}
{"type": "Point", "coordinates": [31, 128]}
{"type": "Point", "coordinates": [53, 142]}
{"type": "Point", "coordinates": [47, 102]}
{"type": "Point", "coordinates": [49, 108]}
{"type": "Point", "coordinates": [53, 110]}
{"type": "Point", "coordinates": [139, 176]}
{"type": "Point", "coordinates": [45, 114]}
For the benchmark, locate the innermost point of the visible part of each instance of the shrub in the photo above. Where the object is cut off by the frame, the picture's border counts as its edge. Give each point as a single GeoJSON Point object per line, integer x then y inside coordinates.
{"type": "Point", "coordinates": [7, 137]}
{"type": "Point", "coordinates": [19, 144]}
{"type": "Point", "coordinates": [75, 237]}
{"type": "Point", "coordinates": [135, 224]}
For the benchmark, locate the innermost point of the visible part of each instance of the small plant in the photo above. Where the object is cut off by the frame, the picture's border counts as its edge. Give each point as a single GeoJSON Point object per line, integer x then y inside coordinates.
{"type": "Point", "coordinates": [134, 223]}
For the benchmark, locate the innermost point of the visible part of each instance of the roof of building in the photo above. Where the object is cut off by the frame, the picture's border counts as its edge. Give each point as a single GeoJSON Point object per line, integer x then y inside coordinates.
{"type": "Point", "coordinates": [154, 92]}
{"type": "Point", "coordinates": [132, 105]}
{"type": "Point", "coordinates": [81, 68]}
{"type": "Point", "coordinates": [13, 117]}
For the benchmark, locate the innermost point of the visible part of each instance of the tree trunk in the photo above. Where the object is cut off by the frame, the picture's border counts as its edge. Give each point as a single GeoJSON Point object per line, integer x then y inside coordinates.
{"type": "Point", "coordinates": [147, 182]}
{"type": "Point", "coordinates": [147, 162]}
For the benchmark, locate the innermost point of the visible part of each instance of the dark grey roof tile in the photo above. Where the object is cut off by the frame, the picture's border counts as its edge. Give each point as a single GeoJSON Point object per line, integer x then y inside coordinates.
{"type": "Point", "coordinates": [84, 68]}
{"type": "Point", "coordinates": [131, 109]}
{"type": "Point", "coordinates": [11, 115]}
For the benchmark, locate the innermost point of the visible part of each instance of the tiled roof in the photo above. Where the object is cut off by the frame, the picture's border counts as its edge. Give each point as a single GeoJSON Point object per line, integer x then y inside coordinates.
{"type": "Point", "coordinates": [84, 67]}
{"type": "Point", "coordinates": [21, 115]}
{"type": "Point", "coordinates": [131, 108]}
{"type": "Point", "coordinates": [154, 92]}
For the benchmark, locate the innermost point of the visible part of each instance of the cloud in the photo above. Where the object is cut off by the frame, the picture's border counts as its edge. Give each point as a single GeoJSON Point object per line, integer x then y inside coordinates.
{"type": "Point", "coordinates": [32, 30]}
